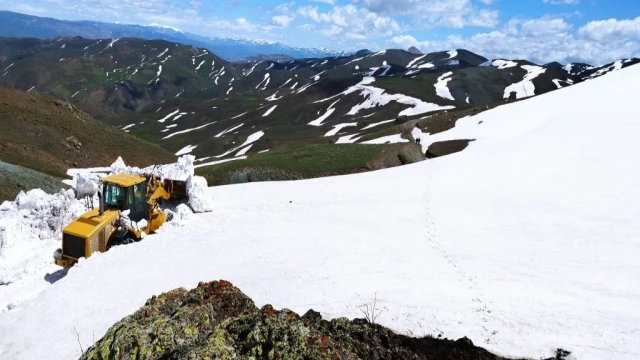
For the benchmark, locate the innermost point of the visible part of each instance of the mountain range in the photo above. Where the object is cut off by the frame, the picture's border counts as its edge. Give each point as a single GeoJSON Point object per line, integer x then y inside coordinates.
{"type": "Point", "coordinates": [20, 25]}
{"type": "Point", "coordinates": [189, 100]}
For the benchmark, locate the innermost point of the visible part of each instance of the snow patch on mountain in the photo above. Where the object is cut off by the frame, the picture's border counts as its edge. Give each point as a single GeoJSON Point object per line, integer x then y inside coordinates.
{"type": "Point", "coordinates": [348, 139]}
{"type": "Point", "coordinates": [390, 139]}
{"type": "Point", "coordinates": [274, 97]}
{"type": "Point", "coordinates": [525, 88]}
{"type": "Point", "coordinates": [231, 129]}
{"type": "Point", "coordinates": [188, 130]}
{"type": "Point", "coordinates": [336, 128]}
{"type": "Point", "coordinates": [441, 86]}
{"type": "Point", "coordinates": [268, 112]}
{"type": "Point", "coordinates": [503, 64]}
{"type": "Point", "coordinates": [186, 150]}
{"type": "Point", "coordinates": [168, 116]}
{"type": "Point", "coordinates": [319, 121]}
{"type": "Point", "coordinates": [377, 124]}
{"type": "Point", "coordinates": [162, 26]}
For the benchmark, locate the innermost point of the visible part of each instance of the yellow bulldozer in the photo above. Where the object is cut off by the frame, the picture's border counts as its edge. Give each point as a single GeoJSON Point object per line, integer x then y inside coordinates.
{"type": "Point", "coordinates": [129, 208]}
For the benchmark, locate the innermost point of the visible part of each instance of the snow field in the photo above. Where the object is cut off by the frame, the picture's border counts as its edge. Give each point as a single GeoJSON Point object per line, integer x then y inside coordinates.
{"type": "Point", "coordinates": [547, 256]}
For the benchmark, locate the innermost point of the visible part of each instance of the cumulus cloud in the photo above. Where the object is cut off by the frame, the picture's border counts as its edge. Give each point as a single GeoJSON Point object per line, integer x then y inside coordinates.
{"type": "Point", "coordinates": [543, 40]}
{"type": "Point", "coordinates": [436, 13]}
{"type": "Point", "coordinates": [281, 20]}
{"type": "Point", "coordinates": [355, 22]}
{"type": "Point", "coordinates": [562, 2]}
{"type": "Point", "coordinates": [330, 2]}
{"type": "Point", "coordinates": [611, 30]}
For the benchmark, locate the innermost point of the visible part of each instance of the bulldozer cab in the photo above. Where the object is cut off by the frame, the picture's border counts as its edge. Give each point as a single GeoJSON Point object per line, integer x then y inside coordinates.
{"type": "Point", "coordinates": [126, 192]}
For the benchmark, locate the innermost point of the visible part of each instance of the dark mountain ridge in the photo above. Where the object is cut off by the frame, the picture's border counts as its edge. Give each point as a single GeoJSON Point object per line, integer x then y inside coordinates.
{"type": "Point", "coordinates": [186, 98]}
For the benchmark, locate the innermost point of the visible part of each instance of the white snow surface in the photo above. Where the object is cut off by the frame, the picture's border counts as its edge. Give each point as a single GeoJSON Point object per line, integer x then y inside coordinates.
{"type": "Point", "coordinates": [30, 231]}
{"type": "Point", "coordinates": [199, 199]}
{"type": "Point", "coordinates": [244, 150]}
{"type": "Point", "coordinates": [274, 97]}
{"type": "Point", "coordinates": [268, 112]}
{"type": "Point", "coordinates": [441, 86]}
{"type": "Point", "coordinates": [414, 61]}
{"type": "Point", "coordinates": [186, 150]}
{"type": "Point", "coordinates": [188, 130]}
{"type": "Point", "coordinates": [378, 123]}
{"type": "Point", "coordinates": [348, 139]}
{"type": "Point", "coordinates": [86, 184]}
{"type": "Point", "coordinates": [390, 139]}
{"type": "Point", "coordinates": [319, 121]}
{"type": "Point", "coordinates": [168, 116]}
{"type": "Point", "coordinates": [338, 127]}
{"type": "Point", "coordinates": [503, 64]}
{"type": "Point", "coordinates": [452, 54]}
{"type": "Point", "coordinates": [377, 97]}
{"type": "Point", "coordinates": [233, 128]}
{"type": "Point", "coordinates": [181, 170]}
{"type": "Point", "coordinates": [219, 161]}
{"type": "Point", "coordinates": [250, 140]}
{"type": "Point", "coordinates": [525, 88]}
{"type": "Point", "coordinates": [524, 242]}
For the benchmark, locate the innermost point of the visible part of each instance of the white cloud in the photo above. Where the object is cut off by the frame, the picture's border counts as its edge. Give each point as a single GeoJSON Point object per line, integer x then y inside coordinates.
{"type": "Point", "coordinates": [281, 20]}
{"type": "Point", "coordinates": [611, 30]}
{"type": "Point", "coordinates": [356, 23]}
{"type": "Point", "coordinates": [544, 40]}
{"type": "Point", "coordinates": [330, 2]}
{"type": "Point", "coordinates": [562, 2]}
{"type": "Point", "coordinates": [433, 13]}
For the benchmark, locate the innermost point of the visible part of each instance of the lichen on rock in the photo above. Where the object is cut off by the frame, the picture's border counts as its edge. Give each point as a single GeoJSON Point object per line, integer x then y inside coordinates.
{"type": "Point", "coordinates": [217, 321]}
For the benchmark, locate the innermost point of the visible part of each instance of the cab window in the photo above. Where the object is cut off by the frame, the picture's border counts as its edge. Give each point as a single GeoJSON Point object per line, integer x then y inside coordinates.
{"type": "Point", "coordinates": [114, 196]}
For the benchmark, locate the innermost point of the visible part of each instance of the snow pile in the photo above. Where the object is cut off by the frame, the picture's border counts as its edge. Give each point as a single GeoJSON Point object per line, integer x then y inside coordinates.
{"type": "Point", "coordinates": [199, 200]}
{"type": "Point", "coordinates": [87, 184]}
{"type": "Point", "coordinates": [180, 170]}
{"type": "Point", "coordinates": [30, 230]}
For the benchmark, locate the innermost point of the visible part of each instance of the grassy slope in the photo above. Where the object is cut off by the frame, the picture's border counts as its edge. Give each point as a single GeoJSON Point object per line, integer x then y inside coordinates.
{"type": "Point", "coordinates": [14, 178]}
{"type": "Point", "coordinates": [310, 161]}
{"type": "Point", "coordinates": [35, 131]}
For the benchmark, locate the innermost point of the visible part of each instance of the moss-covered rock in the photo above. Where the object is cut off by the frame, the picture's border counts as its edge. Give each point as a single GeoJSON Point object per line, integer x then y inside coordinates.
{"type": "Point", "coordinates": [217, 321]}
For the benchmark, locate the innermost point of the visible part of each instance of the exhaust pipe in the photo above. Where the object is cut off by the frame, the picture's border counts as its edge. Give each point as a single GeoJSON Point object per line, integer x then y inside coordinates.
{"type": "Point", "coordinates": [101, 203]}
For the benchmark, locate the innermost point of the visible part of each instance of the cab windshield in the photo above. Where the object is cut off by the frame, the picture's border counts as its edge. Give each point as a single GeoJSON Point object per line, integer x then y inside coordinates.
{"type": "Point", "coordinates": [114, 196]}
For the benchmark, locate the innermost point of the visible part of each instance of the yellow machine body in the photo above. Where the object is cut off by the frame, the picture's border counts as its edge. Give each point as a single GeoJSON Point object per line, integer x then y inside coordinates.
{"type": "Point", "coordinates": [98, 229]}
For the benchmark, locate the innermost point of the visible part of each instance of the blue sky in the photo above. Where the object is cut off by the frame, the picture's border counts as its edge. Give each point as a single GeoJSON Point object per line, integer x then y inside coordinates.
{"type": "Point", "coordinates": [594, 31]}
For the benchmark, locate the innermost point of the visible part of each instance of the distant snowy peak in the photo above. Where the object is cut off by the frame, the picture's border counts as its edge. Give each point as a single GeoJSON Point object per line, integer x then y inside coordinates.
{"type": "Point", "coordinates": [161, 26]}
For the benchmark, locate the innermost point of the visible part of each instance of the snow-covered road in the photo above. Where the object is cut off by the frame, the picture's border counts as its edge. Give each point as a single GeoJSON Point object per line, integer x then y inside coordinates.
{"type": "Point", "coordinates": [525, 242]}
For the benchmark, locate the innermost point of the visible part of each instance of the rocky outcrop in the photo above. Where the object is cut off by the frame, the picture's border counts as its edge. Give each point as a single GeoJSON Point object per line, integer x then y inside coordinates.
{"type": "Point", "coordinates": [216, 320]}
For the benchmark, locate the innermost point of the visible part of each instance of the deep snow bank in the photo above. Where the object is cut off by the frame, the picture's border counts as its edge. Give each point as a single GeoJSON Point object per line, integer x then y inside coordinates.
{"type": "Point", "coordinates": [182, 170]}
{"type": "Point", "coordinates": [31, 226]}
{"type": "Point", "coordinates": [30, 230]}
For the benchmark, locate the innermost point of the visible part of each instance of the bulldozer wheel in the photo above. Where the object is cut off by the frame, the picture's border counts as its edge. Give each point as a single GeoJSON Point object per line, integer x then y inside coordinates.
{"type": "Point", "coordinates": [120, 241]}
